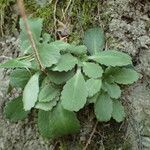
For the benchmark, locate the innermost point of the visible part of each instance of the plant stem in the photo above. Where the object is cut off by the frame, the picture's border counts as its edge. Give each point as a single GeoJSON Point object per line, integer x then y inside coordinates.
{"type": "Point", "coordinates": [91, 135]}
{"type": "Point", "coordinates": [27, 27]}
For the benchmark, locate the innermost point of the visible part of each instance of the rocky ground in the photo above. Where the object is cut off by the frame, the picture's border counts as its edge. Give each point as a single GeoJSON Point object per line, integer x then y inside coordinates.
{"type": "Point", "coordinates": [127, 27]}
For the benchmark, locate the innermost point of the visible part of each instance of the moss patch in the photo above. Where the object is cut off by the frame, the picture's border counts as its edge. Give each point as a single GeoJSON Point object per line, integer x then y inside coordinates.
{"type": "Point", "coordinates": [7, 17]}
{"type": "Point", "coordinates": [76, 16]}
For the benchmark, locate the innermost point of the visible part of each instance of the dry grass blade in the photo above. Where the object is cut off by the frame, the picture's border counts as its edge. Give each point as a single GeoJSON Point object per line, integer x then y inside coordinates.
{"type": "Point", "coordinates": [24, 17]}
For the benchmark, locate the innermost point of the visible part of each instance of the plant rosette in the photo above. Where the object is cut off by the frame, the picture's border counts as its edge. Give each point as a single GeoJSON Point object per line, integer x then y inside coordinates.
{"type": "Point", "coordinates": [74, 76]}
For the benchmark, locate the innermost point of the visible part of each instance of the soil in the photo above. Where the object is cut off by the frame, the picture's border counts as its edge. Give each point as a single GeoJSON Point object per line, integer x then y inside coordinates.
{"type": "Point", "coordinates": [127, 27]}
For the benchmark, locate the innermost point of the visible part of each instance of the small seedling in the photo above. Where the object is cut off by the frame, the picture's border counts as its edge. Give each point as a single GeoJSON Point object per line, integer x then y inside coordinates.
{"type": "Point", "coordinates": [71, 77]}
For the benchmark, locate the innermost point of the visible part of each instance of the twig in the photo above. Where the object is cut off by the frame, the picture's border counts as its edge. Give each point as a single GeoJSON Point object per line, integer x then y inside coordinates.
{"type": "Point", "coordinates": [5, 57]}
{"type": "Point", "coordinates": [1, 21]}
{"type": "Point", "coordinates": [54, 16]}
{"type": "Point", "coordinates": [91, 135]}
{"type": "Point", "coordinates": [55, 145]}
{"type": "Point", "coordinates": [79, 20]}
{"type": "Point", "coordinates": [24, 17]}
{"type": "Point", "coordinates": [67, 6]}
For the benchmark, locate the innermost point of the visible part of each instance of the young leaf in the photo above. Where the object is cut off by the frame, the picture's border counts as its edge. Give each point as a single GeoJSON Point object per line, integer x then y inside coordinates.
{"type": "Point", "coordinates": [35, 65]}
{"type": "Point", "coordinates": [77, 50]}
{"type": "Point", "coordinates": [92, 70]}
{"type": "Point", "coordinates": [48, 93]}
{"type": "Point", "coordinates": [125, 76]}
{"type": "Point", "coordinates": [30, 93]}
{"type": "Point", "coordinates": [59, 77]}
{"type": "Point", "coordinates": [14, 110]}
{"type": "Point", "coordinates": [60, 45]}
{"type": "Point", "coordinates": [58, 122]}
{"type": "Point", "coordinates": [112, 58]}
{"type": "Point", "coordinates": [47, 106]}
{"type": "Point", "coordinates": [46, 38]}
{"type": "Point", "coordinates": [19, 77]}
{"type": "Point", "coordinates": [93, 86]}
{"type": "Point", "coordinates": [121, 75]}
{"type": "Point", "coordinates": [74, 93]}
{"type": "Point", "coordinates": [35, 25]}
{"type": "Point", "coordinates": [66, 63]}
{"type": "Point", "coordinates": [25, 44]}
{"type": "Point", "coordinates": [93, 99]}
{"type": "Point", "coordinates": [15, 63]}
{"type": "Point", "coordinates": [118, 111]}
{"type": "Point", "coordinates": [113, 90]}
{"type": "Point", "coordinates": [94, 40]}
{"type": "Point", "coordinates": [103, 107]}
{"type": "Point", "coordinates": [48, 54]}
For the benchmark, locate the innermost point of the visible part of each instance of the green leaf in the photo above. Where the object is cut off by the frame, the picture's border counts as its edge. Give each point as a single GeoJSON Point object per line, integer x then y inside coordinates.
{"type": "Point", "coordinates": [48, 93]}
{"type": "Point", "coordinates": [35, 65]}
{"type": "Point", "coordinates": [14, 110]}
{"type": "Point", "coordinates": [103, 107]}
{"type": "Point", "coordinates": [93, 99]}
{"type": "Point", "coordinates": [93, 86]}
{"type": "Point", "coordinates": [113, 90]}
{"type": "Point", "coordinates": [66, 63]}
{"type": "Point", "coordinates": [16, 63]}
{"type": "Point", "coordinates": [94, 40]}
{"type": "Point", "coordinates": [125, 76]}
{"type": "Point", "coordinates": [121, 75]}
{"type": "Point", "coordinates": [92, 70]}
{"type": "Point", "coordinates": [118, 111]}
{"type": "Point", "coordinates": [57, 123]}
{"type": "Point", "coordinates": [19, 77]}
{"type": "Point", "coordinates": [74, 93]}
{"type": "Point", "coordinates": [48, 54]}
{"type": "Point", "coordinates": [112, 58]}
{"type": "Point", "coordinates": [46, 38]}
{"type": "Point", "coordinates": [25, 44]}
{"type": "Point", "coordinates": [47, 106]}
{"type": "Point", "coordinates": [30, 93]}
{"type": "Point", "coordinates": [35, 25]}
{"type": "Point", "coordinates": [60, 45]}
{"type": "Point", "coordinates": [59, 77]}
{"type": "Point", "coordinates": [77, 50]}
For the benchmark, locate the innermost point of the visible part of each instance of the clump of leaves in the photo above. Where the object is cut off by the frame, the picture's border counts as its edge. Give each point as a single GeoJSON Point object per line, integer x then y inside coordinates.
{"type": "Point", "coordinates": [73, 76]}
